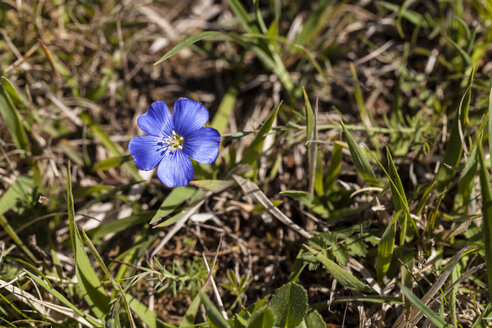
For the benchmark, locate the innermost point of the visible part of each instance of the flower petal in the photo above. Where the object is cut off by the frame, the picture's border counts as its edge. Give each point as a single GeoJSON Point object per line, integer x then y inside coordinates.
{"type": "Point", "coordinates": [147, 151]}
{"type": "Point", "coordinates": [202, 145]}
{"type": "Point", "coordinates": [175, 169]}
{"type": "Point", "coordinates": [157, 120]}
{"type": "Point", "coordinates": [188, 116]}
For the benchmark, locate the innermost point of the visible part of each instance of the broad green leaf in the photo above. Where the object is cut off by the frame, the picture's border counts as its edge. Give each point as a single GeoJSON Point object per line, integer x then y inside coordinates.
{"type": "Point", "coordinates": [90, 286]}
{"type": "Point", "coordinates": [62, 298]}
{"type": "Point", "coordinates": [212, 185]}
{"type": "Point", "coordinates": [262, 319]}
{"type": "Point", "coordinates": [431, 315]}
{"type": "Point", "coordinates": [13, 120]}
{"type": "Point", "coordinates": [360, 160]}
{"type": "Point", "coordinates": [486, 212]}
{"type": "Point", "coordinates": [342, 276]}
{"type": "Point", "coordinates": [251, 155]}
{"type": "Point", "coordinates": [314, 320]}
{"type": "Point", "coordinates": [213, 315]}
{"type": "Point", "coordinates": [187, 42]}
{"type": "Point", "coordinates": [173, 200]}
{"type": "Point", "coordinates": [289, 305]}
{"type": "Point", "coordinates": [221, 118]}
{"type": "Point", "coordinates": [309, 200]}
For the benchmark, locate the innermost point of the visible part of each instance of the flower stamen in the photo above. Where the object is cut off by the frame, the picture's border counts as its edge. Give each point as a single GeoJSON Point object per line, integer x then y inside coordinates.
{"type": "Point", "coordinates": [174, 141]}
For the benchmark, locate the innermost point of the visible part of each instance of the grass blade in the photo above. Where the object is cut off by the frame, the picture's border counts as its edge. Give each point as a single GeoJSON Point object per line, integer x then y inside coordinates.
{"type": "Point", "coordinates": [62, 298]}
{"type": "Point", "coordinates": [109, 144]}
{"type": "Point", "coordinates": [454, 147]}
{"type": "Point", "coordinates": [174, 199]}
{"type": "Point", "coordinates": [187, 42]}
{"type": "Point", "coordinates": [213, 315]}
{"type": "Point", "coordinates": [221, 118]}
{"type": "Point", "coordinates": [251, 155]}
{"type": "Point", "coordinates": [486, 212]}
{"type": "Point", "coordinates": [89, 283]}
{"type": "Point", "coordinates": [17, 98]}
{"type": "Point", "coordinates": [13, 120]}
{"type": "Point", "coordinates": [385, 248]}
{"type": "Point", "coordinates": [116, 284]}
{"type": "Point", "coordinates": [431, 315]}
{"type": "Point", "coordinates": [360, 160]}
{"type": "Point", "coordinates": [252, 190]}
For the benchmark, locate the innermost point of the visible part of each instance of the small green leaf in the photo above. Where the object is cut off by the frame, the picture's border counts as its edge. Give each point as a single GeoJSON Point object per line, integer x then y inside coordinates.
{"type": "Point", "coordinates": [187, 42]}
{"type": "Point", "coordinates": [262, 319]}
{"type": "Point", "coordinates": [289, 305]}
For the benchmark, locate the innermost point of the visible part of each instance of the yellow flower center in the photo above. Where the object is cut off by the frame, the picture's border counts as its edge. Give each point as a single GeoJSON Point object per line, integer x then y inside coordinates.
{"type": "Point", "coordinates": [174, 142]}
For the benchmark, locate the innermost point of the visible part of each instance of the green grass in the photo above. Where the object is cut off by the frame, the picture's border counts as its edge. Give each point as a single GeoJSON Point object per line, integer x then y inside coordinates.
{"type": "Point", "coordinates": [352, 186]}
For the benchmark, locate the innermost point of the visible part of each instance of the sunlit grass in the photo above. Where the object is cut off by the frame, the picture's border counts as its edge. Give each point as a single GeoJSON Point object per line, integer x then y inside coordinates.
{"type": "Point", "coordinates": [352, 186]}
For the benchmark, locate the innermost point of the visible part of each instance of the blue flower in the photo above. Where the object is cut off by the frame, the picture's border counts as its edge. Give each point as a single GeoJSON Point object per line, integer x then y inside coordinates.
{"type": "Point", "coordinates": [173, 139]}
